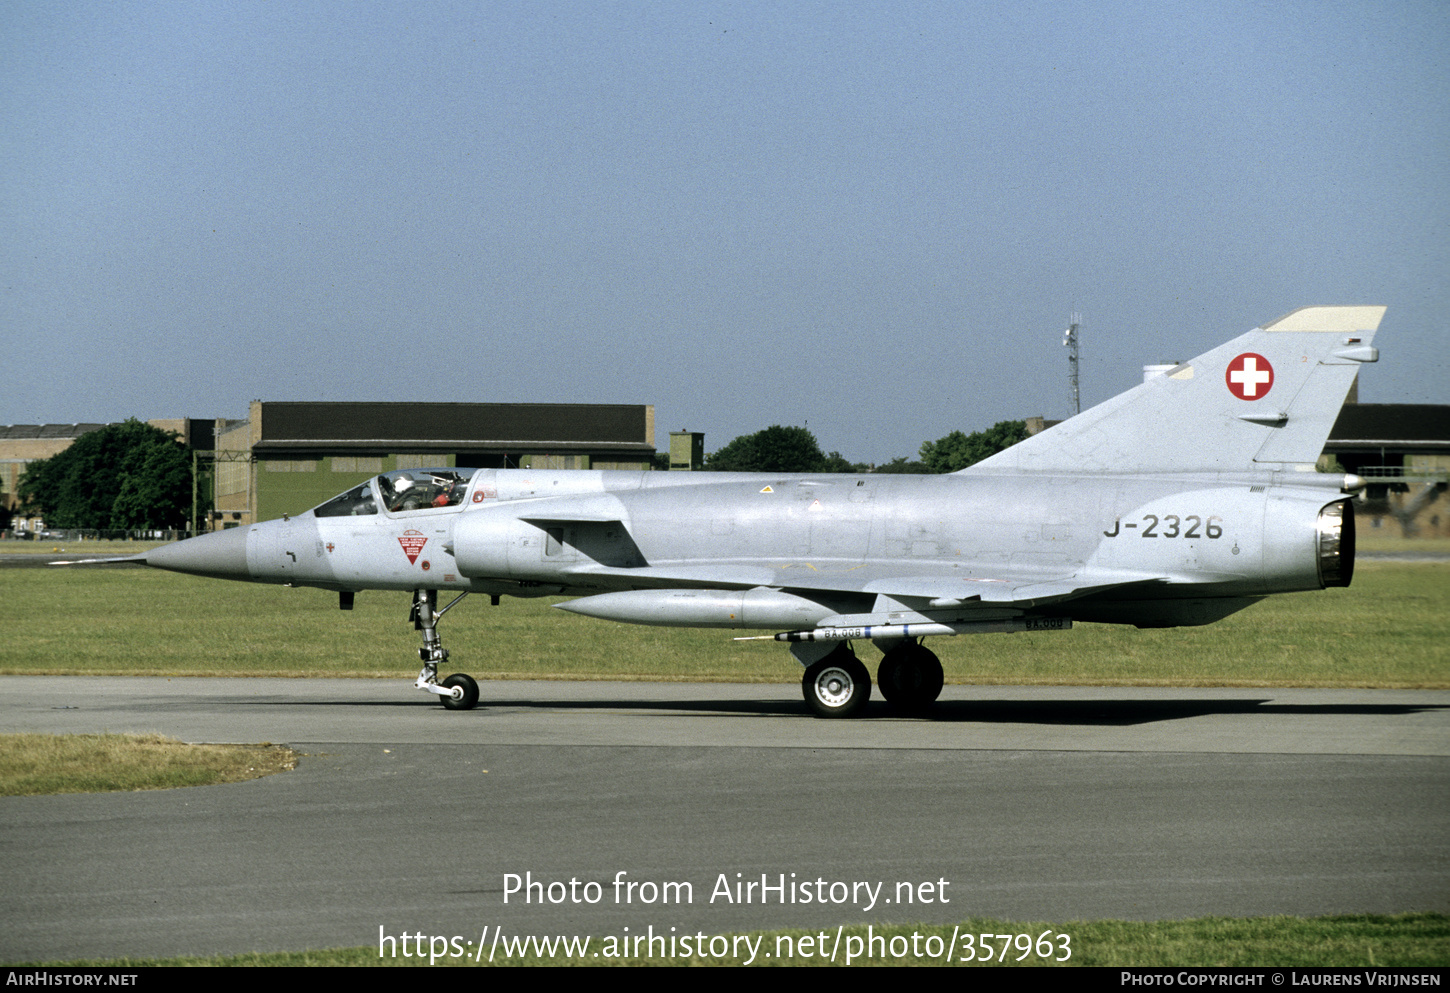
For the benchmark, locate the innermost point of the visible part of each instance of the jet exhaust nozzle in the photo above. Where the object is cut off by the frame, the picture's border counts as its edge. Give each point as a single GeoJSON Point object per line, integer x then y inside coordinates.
{"type": "Point", "coordinates": [1336, 544]}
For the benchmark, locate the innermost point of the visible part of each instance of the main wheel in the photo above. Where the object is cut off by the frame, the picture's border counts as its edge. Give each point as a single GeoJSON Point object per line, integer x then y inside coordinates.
{"type": "Point", "coordinates": [468, 699]}
{"type": "Point", "coordinates": [837, 686]}
{"type": "Point", "coordinates": [918, 677]}
{"type": "Point", "coordinates": [909, 677]}
{"type": "Point", "coordinates": [886, 675]}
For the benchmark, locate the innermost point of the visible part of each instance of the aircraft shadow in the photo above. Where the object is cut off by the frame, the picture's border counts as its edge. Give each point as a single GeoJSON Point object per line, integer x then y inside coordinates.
{"type": "Point", "coordinates": [1081, 713]}
{"type": "Point", "coordinates": [1085, 713]}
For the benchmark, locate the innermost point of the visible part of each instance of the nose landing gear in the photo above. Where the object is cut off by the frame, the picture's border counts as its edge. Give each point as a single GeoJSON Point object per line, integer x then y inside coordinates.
{"type": "Point", "coordinates": [458, 691]}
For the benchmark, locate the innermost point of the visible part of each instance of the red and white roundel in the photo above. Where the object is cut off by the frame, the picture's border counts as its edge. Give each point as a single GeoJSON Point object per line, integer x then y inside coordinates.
{"type": "Point", "coordinates": [1249, 376]}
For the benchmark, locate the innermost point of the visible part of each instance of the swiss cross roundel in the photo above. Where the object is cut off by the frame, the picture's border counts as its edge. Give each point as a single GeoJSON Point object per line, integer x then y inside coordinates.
{"type": "Point", "coordinates": [1249, 376]}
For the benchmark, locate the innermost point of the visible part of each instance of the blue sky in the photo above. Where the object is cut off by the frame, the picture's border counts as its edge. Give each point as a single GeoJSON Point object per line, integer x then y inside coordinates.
{"type": "Point", "coordinates": [873, 219]}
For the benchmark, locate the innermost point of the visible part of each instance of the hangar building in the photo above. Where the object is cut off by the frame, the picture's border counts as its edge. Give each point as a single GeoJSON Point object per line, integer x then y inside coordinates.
{"type": "Point", "coordinates": [288, 456]}
{"type": "Point", "coordinates": [1403, 450]}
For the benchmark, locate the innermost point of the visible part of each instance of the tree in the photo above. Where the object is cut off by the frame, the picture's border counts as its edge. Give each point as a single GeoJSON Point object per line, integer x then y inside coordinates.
{"type": "Point", "coordinates": [836, 462]}
{"type": "Point", "coordinates": [128, 475]}
{"type": "Point", "coordinates": [957, 450]}
{"type": "Point", "coordinates": [775, 449]}
{"type": "Point", "coordinates": [899, 466]}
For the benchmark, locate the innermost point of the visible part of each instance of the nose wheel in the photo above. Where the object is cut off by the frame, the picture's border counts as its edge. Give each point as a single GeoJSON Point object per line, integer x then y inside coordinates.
{"type": "Point", "coordinates": [463, 692]}
{"type": "Point", "coordinates": [458, 691]}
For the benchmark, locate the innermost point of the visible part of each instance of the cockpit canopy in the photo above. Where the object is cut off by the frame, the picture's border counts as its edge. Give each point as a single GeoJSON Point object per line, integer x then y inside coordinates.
{"type": "Point", "coordinates": [401, 491]}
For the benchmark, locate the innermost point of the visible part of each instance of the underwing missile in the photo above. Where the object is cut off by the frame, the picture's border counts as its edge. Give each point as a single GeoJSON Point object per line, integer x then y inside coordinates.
{"type": "Point", "coordinates": [888, 632]}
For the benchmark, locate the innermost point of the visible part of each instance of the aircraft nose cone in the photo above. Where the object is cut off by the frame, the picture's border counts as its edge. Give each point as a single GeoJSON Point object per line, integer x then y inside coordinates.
{"type": "Point", "coordinates": [222, 554]}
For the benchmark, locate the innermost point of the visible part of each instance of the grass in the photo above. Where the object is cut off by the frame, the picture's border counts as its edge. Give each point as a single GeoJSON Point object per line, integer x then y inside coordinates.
{"type": "Point", "coordinates": [106, 546]}
{"type": "Point", "coordinates": [1369, 940]}
{"type": "Point", "coordinates": [1390, 629]}
{"type": "Point", "coordinates": [1379, 541]}
{"type": "Point", "coordinates": [35, 764]}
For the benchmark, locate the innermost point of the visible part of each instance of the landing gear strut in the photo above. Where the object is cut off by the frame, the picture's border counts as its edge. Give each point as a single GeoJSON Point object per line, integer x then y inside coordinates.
{"type": "Point", "coordinates": [457, 692]}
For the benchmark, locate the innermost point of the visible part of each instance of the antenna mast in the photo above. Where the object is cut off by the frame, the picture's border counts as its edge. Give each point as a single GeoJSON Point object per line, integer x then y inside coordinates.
{"type": "Point", "coordinates": [1070, 341]}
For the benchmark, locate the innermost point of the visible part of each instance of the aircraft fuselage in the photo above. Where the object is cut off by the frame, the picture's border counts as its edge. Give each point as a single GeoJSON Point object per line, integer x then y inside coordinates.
{"type": "Point", "coordinates": [845, 538]}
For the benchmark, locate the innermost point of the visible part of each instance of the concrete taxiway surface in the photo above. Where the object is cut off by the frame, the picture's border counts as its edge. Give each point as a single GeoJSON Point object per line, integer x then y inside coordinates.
{"type": "Point", "coordinates": [1028, 803]}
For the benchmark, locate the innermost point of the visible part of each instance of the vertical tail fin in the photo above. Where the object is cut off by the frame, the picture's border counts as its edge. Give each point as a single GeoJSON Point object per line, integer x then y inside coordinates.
{"type": "Point", "coordinates": [1267, 399]}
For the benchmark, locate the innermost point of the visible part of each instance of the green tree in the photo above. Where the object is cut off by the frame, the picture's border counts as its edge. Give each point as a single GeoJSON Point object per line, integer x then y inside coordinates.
{"type": "Point", "coordinates": [128, 475]}
{"type": "Point", "coordinates": [957, 451]}
{"type": "Point", "coordinates": [900, 465]}
{"type": "Point", "coordinates": [836, 462]}
{"type": "Point", "coordinates": [775, 449]}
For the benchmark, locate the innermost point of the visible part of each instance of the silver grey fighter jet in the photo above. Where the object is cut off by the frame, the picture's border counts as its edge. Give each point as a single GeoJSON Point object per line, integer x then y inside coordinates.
{"type": "Point", "coordinates": [1179, 502]}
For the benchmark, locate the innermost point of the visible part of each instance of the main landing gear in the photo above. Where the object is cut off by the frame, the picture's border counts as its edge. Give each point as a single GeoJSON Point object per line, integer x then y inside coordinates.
{"type": "Point", "coordinates": [457, 692]}
{"type": "Point", "coordinates": [910, 677]}
{"type": "Point", "coordinates": [837, 684]}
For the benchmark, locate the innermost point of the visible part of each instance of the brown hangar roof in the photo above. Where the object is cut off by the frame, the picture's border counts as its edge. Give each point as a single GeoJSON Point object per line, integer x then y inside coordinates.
{"type": "Point", "coordinates": [425, 427]}
{"type": "Point", "coordinates": [1411, 427]}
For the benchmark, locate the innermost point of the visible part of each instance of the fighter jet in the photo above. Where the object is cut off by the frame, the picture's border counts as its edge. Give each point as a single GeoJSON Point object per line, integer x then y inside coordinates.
{"type": "Point", "coordinates": [1179, 502]}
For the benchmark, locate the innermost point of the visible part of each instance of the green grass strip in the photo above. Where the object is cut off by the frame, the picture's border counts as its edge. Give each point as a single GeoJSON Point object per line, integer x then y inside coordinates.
{"type": "Point", "coordinates": [1388, 630]}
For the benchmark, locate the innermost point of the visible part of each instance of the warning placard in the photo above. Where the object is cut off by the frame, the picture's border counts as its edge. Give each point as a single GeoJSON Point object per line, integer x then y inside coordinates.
{"type": "Point", "coordinates": [412, 542]}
